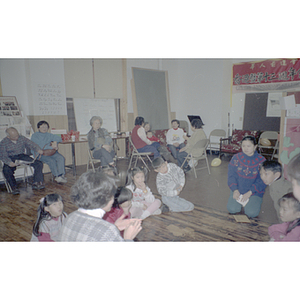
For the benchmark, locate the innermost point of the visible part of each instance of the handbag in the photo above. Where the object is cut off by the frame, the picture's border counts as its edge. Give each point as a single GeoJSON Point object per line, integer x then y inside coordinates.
{"type": "Point", "coordinates": [48, 152]}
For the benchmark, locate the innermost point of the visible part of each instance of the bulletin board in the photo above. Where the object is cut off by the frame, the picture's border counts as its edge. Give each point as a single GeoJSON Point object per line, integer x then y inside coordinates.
{"type": "Point", "coordinates": [107, 109]}
{"type": "Point", "coordinates": [150, 92]}
{"type": "Point", "coordinates": [255, 114]}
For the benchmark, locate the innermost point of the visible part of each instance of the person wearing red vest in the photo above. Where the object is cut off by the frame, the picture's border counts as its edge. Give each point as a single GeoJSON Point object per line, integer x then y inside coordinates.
{"type": "Point", "coordinates": [140, 140]}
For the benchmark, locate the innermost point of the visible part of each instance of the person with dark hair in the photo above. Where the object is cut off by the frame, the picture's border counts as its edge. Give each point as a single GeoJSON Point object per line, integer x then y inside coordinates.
{"type": "Point", "coordinates": [47, 140]}
{"type": "Point", "coordinates": [293, 170]}
{"type": "Point", "coordinates": [93, 193]}
{"type": "Point", "coordinates": [51, 217]}
{"type": "Point", "coordinates": [198, 135]}
{"type": "Point", "coordinates": [140, 140]}
{"type": "Point", "coordinates": [271, 175]}
{"type": "Point", "coordinates": [144, 203]}
{"type": "Point", "coordinates": [12, 151]}
{"type": "Point", "coordinates": [289, 230]}
{"type": "Point", "coordinates": [170, 181]}
{"type": "Point", "coordinates": [175, 138]}
{"type": "Point", "coordinates": [246, 187]}
{"type": "Point", "coordinates": [120, 211]}
{"type": "Point", "coordinates": [101, 143]}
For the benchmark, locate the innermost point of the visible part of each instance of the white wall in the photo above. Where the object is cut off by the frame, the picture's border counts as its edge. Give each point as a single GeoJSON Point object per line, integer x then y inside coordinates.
{"type": "Point", "coordinates": [196, 86]}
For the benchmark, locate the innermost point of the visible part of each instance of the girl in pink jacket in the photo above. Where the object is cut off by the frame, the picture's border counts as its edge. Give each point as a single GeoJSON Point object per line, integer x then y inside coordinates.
{"type": "Point", "coordinates": [289, 230]}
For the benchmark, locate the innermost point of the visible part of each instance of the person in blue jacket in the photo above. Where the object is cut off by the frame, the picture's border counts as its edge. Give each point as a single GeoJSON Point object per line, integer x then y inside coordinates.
{"type": "Point", "coordinates": [47, 140]}
{"type": "Point", "coordinates": [244, 179]}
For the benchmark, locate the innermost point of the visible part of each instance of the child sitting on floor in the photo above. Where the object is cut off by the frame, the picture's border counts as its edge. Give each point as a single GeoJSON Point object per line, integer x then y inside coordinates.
{"type": "Point", "coordinates": [271, 175]}
{"type": "Point", "coordinates": [289, 231]}
{"type": "Point", "coordinates": [170, 181]}
{"type": "Point", "coordinates": [120, 208]}
{"type": "Point", "coordinates": [50, 219]}
{"type": "Point", "coordinates": [144, 203]}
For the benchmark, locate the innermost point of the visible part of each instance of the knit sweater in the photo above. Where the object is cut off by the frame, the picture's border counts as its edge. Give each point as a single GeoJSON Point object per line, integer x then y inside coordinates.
{"type": "Point", "coordinates": [139, 196]}
{"type": "Point", "coordinates": [167, 183]}
{"type": "Point", "coordinates": [81, 227]}
{"type": "Point", "coordinates": [243, 174]}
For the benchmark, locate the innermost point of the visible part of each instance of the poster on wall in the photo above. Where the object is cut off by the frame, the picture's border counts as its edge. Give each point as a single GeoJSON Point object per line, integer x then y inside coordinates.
{"type": "Point", "coordinates": [50, 99]}
{"type": "Point", "coordinates": [273, 105]}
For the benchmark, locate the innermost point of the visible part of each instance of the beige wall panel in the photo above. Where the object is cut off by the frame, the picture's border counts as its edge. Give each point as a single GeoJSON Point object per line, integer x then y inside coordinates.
{"type": "Point", "coordinates": [79, 78]}
{"type": "Point", "coordinates": [108, 78]}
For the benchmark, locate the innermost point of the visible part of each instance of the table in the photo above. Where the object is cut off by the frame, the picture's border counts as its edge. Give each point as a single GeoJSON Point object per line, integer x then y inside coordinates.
{"type": "Point", "coordinates": [73, 166]}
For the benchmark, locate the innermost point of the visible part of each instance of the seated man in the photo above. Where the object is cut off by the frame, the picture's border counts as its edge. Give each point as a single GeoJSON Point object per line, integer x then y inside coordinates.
{"type": "Point", "coordinates": [12, 148]}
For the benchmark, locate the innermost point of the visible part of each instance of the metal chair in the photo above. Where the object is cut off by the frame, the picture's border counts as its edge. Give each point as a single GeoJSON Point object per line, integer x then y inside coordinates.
{"type": "Point", "coordinates": [25, 176]}
{"type": "Point", "coordinates": [202, 144]}
{"type": "Point", "coordinates": [216, 133]}
{"type": "Point", "coordinates": [91, 160]}
{"type": "Point", "coordinates": [138, 155]}
{"type": "Point", "coordinates": [272, 136]}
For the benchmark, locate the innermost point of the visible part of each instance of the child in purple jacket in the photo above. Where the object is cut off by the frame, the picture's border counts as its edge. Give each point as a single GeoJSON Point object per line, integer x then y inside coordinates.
{"type": "Point", "coordinates": [289, 230]}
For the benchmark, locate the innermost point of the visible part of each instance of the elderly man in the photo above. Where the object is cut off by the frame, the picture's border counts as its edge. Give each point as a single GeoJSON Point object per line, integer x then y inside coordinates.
{"type": "Point", "coordinates": [12, 148]}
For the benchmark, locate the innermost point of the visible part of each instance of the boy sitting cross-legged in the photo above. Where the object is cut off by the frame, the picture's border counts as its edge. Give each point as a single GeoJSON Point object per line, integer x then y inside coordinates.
{"type": "Point", "coordinates": [170, 181]}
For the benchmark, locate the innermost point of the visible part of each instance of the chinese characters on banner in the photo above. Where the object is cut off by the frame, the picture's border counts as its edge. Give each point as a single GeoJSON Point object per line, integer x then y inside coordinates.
{"type": "Point", "coordinates": [50, 100]}
{"type": "Point", "coordinates": [267, 71]}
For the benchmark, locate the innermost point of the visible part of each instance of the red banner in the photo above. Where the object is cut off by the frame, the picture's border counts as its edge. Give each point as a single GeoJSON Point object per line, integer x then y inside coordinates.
{"type": "Point", "coordinates": [267, 71]}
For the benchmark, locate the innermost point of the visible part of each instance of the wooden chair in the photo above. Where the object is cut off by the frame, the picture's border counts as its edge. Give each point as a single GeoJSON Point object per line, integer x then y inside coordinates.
{"type": "Point", "coordinates": [202, 144]}
{"type": "Point", "coordinates": [91, 160]}
{"type": "Point", "coordinates": [216, 133]}
{"type": "Point", "coordinates": [138, 155]}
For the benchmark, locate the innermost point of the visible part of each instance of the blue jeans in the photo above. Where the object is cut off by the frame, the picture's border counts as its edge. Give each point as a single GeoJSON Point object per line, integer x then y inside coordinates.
{"type": "Point", "coordinates": [174, 150]}
{"type": "Point", "coordinates": [180, 159]}
{"type": "Point", "coordinates": [151, 148]}
{"type": "Point", "coordinates": [56, 163]}
{"type": "Point", "coordinates": [105, 156]}
{"type": "Point", "coordinates": [8, 171]}
{"type": "Point", "coordinates": [252, 208]}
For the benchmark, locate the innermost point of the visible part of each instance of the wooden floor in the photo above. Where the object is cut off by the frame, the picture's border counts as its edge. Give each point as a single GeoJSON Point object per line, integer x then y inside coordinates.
{"type": "Point", "coordinates": [18, 214]}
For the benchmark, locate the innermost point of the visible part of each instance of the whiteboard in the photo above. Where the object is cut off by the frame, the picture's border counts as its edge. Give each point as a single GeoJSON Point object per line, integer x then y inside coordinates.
{"type": "Point", "coordinates": [85, 109]}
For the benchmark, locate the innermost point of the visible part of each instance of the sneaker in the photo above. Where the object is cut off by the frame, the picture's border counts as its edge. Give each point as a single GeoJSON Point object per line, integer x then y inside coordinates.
{"type": "Point", "coordinates": [15, 192]}
{"type": "Point", "coordinates": [157, 212]}
{"type": "Point", "coordinates": [186, 169]}
{"type": "Point", "coordinates": [60, 179]}
{"type": "Point", "coordinates": [38, 186]}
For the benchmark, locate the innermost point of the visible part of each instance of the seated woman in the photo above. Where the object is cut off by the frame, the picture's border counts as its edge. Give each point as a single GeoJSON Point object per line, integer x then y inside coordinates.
{"type": "Point", "coordinates": [47, 140]}
{"type": "Point", "coordinates": [198, 135]}
{"type": "Point", "coordinates": [140, 141]}
{"type": "Point", "coordinates": [100, 142]}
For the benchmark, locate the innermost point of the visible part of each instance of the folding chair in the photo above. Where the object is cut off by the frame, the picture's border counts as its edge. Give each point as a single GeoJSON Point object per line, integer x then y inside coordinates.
{"type": "Point", "coordinates": [216, 133]}
{"type": "Point", "coordinates": [91, 160]}
{"type": "Point", "coordinates": [25, 177]}
{"type": "Point", "coordinates": [201, 145]}
{"type": "Point", "coordinates": [138, 155]}
{"type": "Point", "coordinates": [270, 135]}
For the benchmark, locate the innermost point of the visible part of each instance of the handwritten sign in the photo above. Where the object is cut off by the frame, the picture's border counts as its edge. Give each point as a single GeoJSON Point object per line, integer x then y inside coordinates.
{"type": "Point", "coordinates": [50, 100]}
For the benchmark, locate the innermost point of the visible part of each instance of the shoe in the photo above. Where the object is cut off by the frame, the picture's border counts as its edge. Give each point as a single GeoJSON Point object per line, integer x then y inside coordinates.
{"type": "Point", "coordinates": [15, 192]}
{"type": "Point", "coordinates": [38, 186]}
{"type": "Point", "coordinates": [157, 212]}
{"type": "Point", "coordinates": [60, 179]}
{"type": "Point", "coordinates": [186, 169]}
{"type": "Point", "coordinates": [164, 208]}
